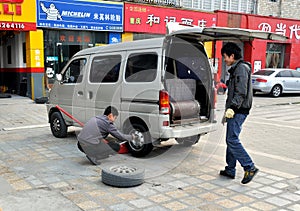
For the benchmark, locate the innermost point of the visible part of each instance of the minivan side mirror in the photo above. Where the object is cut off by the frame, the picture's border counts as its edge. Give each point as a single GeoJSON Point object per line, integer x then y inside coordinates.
{"type": "Point", "coordinates": [58, 77]}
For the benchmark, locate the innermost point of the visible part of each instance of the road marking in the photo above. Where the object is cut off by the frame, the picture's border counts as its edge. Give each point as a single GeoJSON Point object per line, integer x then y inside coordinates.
{"type": "Point", "coordinates": [25, 127]}
{"type": "Point", "coordinates": [277, 157]}
{"type": "Point", "coordinates": [272, 124]}
{"type": "Point", "coordinates": [207, 156]}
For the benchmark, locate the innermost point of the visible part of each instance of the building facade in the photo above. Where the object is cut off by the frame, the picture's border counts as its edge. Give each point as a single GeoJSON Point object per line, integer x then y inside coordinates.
{"type": "Point", "coordinates": [70, 26]}
{"type": "Point", "coordinates": [264, 53]}
{"type": "Point", "coordinates": [279, 8]}
{"type": "Point", "coordinates": [243, 6]}
{"type": "Point", "coordinates": [21, 61]}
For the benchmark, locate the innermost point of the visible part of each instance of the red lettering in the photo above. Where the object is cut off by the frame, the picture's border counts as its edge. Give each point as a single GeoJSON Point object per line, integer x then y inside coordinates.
{"type": "Point", "coordinates": [79, 39]}
{"type": "Point", "coordinates": [11, 1]}
{"type": "Point", "coordinates": [87, 39]}
{"type": "Point", "coordinates": [71, 38]}
{"type": "Point", "coordinates": [18, 9]}
{"type": "Point", "coordinates": [62, 38]}
{"type": "Point", "coordinates": [6, 10]}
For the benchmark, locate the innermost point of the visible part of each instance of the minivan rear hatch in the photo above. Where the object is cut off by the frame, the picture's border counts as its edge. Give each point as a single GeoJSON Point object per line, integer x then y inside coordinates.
{"type": "Point", "coordinates": [219, 33]}
{"type": "Point", "coordinates": [188, 75]}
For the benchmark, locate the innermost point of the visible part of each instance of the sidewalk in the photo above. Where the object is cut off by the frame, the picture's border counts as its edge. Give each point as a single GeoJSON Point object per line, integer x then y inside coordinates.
{"type": "Point", "coordinates": [17, 112]}
{"type": "Point", "coordinates": [40, 172]}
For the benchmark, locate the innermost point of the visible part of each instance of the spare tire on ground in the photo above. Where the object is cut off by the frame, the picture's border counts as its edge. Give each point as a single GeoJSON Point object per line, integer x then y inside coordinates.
{"type": "Point", "coordinates": [123, 176]}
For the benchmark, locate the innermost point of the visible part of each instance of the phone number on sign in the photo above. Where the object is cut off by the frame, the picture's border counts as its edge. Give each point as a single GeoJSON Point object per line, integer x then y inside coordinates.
{"type": "Point", "coordinates": [12, 25]}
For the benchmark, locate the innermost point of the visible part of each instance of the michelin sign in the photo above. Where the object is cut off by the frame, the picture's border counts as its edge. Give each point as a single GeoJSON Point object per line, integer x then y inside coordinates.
{"type": "Point", "coordinates": [81, 15]}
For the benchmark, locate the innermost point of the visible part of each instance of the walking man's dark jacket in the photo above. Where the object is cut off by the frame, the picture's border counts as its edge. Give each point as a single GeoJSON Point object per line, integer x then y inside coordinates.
{"type": "Point", "coordinates": [240, 92]}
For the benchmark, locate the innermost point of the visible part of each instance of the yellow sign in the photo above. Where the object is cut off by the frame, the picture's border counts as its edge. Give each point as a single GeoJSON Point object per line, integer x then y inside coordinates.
{"type": "Point", "coordinates": [18, 15]}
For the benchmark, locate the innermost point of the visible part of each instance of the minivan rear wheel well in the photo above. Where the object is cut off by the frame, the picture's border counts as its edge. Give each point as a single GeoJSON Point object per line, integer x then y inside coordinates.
{"type": "Point", "coordinates": [136, 120]}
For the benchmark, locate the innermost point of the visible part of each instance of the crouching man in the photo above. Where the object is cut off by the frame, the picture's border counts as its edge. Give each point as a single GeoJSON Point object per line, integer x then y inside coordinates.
{"type": "Point", "coordinates": [91, 139]}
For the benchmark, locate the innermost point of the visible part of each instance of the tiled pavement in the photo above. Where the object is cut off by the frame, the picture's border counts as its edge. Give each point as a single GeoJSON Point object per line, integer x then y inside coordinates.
{"type": "Point", "coordinates": [40, 172]}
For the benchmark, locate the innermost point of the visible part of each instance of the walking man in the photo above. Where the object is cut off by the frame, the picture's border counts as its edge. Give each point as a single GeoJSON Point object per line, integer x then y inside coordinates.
{"type": "Point", "coordinates": [238, 105]}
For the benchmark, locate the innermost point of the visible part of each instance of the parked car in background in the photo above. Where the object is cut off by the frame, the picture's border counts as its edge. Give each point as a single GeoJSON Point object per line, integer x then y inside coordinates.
{"type": "Point", "coordinates": [275, 81]}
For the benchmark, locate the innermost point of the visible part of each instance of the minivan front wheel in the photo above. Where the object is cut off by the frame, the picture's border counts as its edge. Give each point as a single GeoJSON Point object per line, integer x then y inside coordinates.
{"type": "Point", "coordinates": [142, 145]}
{"type": "Point", "coordinates": [58, 126]}
{"type": "Point", "coordinates": [276, 91]}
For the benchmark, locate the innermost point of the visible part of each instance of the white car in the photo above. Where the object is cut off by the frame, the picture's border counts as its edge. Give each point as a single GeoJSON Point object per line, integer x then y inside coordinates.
{"type": "Point", "coordinates": [275, 81]}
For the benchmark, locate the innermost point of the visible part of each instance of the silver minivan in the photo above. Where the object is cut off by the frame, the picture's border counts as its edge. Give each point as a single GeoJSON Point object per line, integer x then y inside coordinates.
{"type": "Point", "coordinates": [162, 87]}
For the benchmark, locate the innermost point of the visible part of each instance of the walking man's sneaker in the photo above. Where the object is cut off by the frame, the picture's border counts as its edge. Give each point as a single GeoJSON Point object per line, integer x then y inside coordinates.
{"type": "Point", "coordinates": [224, 173]}
{"type": "Point", "coordinates": [248, 176]}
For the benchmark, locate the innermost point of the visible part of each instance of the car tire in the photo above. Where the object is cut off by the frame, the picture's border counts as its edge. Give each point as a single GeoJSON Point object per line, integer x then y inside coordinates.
{"type": "Point", "coordinates": [58, 126]}
{"type": "Point", "coordinates": [41, 100]}
{"type": "Point", "coordinates": [142, 148]}
{"type": "Point", "coordinates": [189, 141]}
{"type": "Point", "coordinates": [5, 95]}
{"type": "Point", "coordinates": [122, 176]}
{"type": "Point", "coordinates": [276, 91]}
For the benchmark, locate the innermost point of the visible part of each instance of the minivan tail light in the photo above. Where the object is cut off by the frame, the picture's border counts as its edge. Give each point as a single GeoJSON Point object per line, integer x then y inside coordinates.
{"type": "Point", "coordinates": [261, 80]}
{"type": "Point", "coordinates": [164, 102]}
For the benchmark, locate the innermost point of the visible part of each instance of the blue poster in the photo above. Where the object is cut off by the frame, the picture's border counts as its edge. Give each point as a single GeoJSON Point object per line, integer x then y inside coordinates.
{"type": "Point", "coordinates": [114, 37]}
{"type": "Point", "coordinates": [81, 15]}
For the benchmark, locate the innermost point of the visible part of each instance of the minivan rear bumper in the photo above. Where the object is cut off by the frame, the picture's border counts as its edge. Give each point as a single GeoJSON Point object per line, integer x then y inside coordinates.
{"type": "Point", "coordinates": [187, 130]}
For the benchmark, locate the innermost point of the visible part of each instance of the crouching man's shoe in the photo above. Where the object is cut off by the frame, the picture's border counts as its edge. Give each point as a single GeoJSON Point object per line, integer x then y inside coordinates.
{"type": "Point", "coordinates": [226, 174]}
{"type": "Point", "coordinates": [248, 176]}
{"type": "Point", "coordinates": [93, 160]}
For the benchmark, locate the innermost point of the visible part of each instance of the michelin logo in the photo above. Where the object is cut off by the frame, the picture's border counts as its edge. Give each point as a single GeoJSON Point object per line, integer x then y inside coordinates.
{"type": "Point", "coordinates": [52, 12]}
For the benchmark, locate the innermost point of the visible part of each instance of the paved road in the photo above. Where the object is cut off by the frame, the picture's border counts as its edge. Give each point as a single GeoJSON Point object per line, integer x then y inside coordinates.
{"type": "Point", "coordinates": [40, 172]}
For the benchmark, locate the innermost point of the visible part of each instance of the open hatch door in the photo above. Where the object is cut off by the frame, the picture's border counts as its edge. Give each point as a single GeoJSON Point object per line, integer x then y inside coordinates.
{"type": "Point", "coordinates": [219, 33]}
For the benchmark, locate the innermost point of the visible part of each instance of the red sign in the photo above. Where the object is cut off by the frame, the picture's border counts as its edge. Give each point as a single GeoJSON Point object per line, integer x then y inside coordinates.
{"type": "Point", "coordinates": [17, 26]}
{"type": "Point", "coordinates": [287, 27]}
{"type": "Point", "coordinates": [6, 7]}
{"type": "Point", "coordinates": [152, 19]}
{"type": "Point", "coordinates": [18, 15]}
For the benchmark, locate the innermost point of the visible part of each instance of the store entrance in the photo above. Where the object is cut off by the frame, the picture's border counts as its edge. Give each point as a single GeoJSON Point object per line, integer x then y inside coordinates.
{"type": "Point", "coordinates": [54, 64]}
{"type": "Point", "coordinates": [73, 49]}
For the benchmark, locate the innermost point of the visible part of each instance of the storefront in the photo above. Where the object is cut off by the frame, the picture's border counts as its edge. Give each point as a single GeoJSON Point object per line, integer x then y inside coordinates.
{"type": "Point", "coordinates": [263, 53]}
{"type": "Point", "coordinates": [20, 61]}
{"type": "Point", "coordinates": [70, 25]}
{"type": "Point", "coordinates": [142, 21]}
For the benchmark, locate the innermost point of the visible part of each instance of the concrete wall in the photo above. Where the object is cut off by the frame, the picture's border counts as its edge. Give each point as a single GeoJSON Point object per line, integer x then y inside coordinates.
{"type": "Point", "coordinates": [280, 8]}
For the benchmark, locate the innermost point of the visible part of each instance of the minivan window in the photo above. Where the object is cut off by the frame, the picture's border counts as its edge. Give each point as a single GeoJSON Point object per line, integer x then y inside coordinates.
{"type": "Point", "coordinates": [73, 73]}
{"type": "Point", "coordinates": [105, 69]}
{"type": "Point", "coordinates": [141, 67]}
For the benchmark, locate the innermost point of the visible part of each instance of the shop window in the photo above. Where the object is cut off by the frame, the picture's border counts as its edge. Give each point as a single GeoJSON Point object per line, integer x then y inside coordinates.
{"type": "Point", "coordinates": [9, 54]}
{"type": "Point", "coordinates": [141, 67]}
{"type": "Point", "coordinates": [275, 55]}
{"type": "Point", "coordinates": [74, 72]}
{"type": "Point", "coordinates": [105, 69]}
